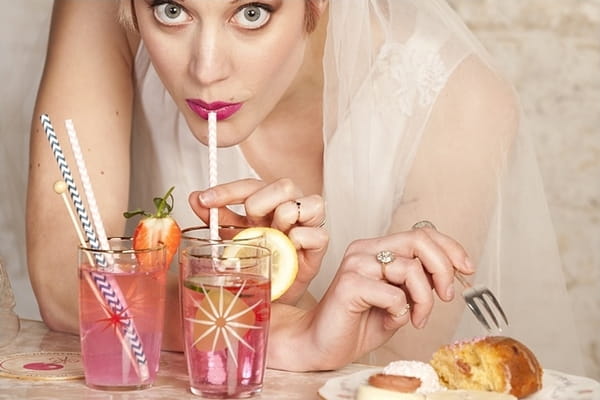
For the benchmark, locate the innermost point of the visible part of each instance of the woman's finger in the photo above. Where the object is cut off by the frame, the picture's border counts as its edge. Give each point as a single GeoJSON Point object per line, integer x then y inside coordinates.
{"type": "Point", "coordinates": [235, 192]}
{"type": "Point", "coordinates": [306, 211]}
{"type": "Point", "coordinates": [435, 251]}
{"type": "Point", "coordinates": [435, 259]}
{"type": "Point", "coordinates": [226, 216]}
{"type": "Point", "coordinates": [406, 273]}
{"type": "Point", "coordinates": [358, 294]}
{"type": "Point", "coordinates": [258, 199]}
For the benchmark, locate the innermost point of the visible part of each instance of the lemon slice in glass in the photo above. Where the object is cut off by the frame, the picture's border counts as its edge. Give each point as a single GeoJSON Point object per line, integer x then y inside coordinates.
{"type": "Point", "coordinates": [284, 259]}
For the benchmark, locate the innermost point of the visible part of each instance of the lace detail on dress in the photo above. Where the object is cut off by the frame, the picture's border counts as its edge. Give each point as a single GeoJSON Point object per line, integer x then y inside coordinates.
{"type": "Point", "coordinates": [415, 74]}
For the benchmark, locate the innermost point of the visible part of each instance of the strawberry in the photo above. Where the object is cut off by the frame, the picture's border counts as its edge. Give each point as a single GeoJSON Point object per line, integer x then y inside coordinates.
{"type": "Point", "coordinates": [157, 228]}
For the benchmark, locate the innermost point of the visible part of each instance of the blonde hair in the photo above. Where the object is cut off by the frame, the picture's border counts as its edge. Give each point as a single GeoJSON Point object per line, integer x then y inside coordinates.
{"type": "Point", "coordinates": [128, 20]}
{"type": "Point", "coordinates": [126, 15]}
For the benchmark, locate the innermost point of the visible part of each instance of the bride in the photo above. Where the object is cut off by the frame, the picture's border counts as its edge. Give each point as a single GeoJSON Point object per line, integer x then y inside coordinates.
{"type": "Point", "coordinates": [374, 114]}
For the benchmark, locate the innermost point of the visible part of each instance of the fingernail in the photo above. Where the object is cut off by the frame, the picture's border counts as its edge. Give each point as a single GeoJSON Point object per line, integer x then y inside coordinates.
{"type": "Point", "coordinates": [450, 292]}
{"type": "Point", "coordinates": [206, 197]}
{"type": "Point", "coordinates": [469, 264]}
{"type": "Point", "coordinates": [422, 324]}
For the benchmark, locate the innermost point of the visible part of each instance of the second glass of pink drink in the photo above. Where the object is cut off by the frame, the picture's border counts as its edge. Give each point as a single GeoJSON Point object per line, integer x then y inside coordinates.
{"type": "Point", "coordinates": [225, 297]}
{"type": "Point", "coordinates": [121, 314]}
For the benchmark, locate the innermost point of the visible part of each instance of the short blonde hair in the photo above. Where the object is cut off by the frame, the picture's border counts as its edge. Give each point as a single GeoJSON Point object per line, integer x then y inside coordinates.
{"type": "Point", "coordinates": [126, 15]}
{"type": "Point", "coordinates": [128, 20]}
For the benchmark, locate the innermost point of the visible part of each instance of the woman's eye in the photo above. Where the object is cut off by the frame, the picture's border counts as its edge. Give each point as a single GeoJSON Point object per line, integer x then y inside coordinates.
{"type": "Point", "coordinates": [171, 14]}
{"type": "Point", "coordinates": [252, 16]}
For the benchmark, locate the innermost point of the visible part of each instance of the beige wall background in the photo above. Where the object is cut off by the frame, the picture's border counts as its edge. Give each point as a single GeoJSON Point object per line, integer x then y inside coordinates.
{"type": "Point", "coordinates": [550, 49]}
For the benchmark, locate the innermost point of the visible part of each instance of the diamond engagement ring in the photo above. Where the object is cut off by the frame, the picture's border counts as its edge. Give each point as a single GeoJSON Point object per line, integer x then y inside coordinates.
{"type": "Point", "coordinates": [384, 257]}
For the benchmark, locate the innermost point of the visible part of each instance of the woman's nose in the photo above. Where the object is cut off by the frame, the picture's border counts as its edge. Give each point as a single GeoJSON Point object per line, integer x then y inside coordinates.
{"type": "Point", "coordinates": [211, 60]}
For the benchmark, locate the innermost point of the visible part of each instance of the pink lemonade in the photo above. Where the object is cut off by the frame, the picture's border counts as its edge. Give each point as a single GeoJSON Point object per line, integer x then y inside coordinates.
{"type": "Point", "coordinates": [226, 323]}
{"type": "Point", "coordinates": [106, 353]}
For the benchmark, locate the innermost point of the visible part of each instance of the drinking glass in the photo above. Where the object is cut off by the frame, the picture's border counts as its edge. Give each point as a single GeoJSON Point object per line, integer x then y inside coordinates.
{"type": "Point", "coordinates": [121, 313]}
{"type": "Point", "coordinates": [226, 305]}
{"type": "Point", "coordinates": [226, 233]}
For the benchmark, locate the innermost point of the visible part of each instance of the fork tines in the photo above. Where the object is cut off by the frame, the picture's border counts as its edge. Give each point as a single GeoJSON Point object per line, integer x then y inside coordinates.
{"type": "Point", "coordinates": [481, 293]}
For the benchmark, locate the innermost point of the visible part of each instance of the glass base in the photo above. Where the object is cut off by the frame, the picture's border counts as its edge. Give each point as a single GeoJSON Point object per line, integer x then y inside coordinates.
{"type": "Point", "coordinates": [224, 395]}
{"type": "Point", "coordinates": [116, 388]}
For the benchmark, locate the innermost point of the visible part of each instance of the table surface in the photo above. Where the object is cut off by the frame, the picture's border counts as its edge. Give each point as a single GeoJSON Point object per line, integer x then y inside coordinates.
{"type": "Point", "coordinates": [172, 381]}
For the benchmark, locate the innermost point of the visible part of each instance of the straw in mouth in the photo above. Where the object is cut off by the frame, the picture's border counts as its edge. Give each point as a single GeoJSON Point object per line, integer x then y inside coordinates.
{"type": "Point", "coordinates": [212, 172]}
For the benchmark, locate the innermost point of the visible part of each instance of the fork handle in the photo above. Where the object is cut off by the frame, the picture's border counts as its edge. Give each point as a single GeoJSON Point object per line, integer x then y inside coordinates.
{"type": "Point", "coordinates": [461, 278]}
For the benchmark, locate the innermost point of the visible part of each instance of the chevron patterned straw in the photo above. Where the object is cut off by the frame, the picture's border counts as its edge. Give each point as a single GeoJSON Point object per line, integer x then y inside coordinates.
{"type": "Point", "coordinates": [110, 292]}
{"type": "Point", "coordinates": [68, 178]}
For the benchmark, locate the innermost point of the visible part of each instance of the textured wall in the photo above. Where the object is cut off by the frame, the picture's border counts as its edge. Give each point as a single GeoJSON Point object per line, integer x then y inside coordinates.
{"type": "Point", "coordinates": [550, 49]}
{"type": "Point", "coordinates": [23, 37]}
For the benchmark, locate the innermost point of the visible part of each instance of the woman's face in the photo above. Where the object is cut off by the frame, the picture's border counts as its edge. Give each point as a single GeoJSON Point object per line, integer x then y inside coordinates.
{"type": "Point", "coordinates": [234, 57]}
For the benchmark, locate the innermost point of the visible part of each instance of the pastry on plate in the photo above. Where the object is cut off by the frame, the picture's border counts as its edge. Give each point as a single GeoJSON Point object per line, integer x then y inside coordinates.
{"type": "Point", "coordinates": [493, 363]}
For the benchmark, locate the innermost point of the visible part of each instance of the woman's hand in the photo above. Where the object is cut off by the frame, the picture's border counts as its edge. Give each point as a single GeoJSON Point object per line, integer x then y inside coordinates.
{"type": "Point", "coordinates": [367, 301]}
{"type": "Point", "coordinates": [279, 205]}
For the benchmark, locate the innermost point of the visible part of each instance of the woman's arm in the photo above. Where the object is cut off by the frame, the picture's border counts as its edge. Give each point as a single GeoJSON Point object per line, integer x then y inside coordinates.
{"type": "Point", "coordinates": [455, 178]}
{"type": "Point", "coordinates": [87, 78]}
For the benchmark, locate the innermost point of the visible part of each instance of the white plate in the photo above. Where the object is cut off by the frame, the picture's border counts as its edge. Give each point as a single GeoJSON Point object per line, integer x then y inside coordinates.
{"type": "Point", "coordinates": [555, 386]}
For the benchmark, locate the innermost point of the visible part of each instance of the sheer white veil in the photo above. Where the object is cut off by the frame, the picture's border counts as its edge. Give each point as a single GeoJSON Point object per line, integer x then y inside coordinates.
{"type": "Point", "coordinates": [385, 63]}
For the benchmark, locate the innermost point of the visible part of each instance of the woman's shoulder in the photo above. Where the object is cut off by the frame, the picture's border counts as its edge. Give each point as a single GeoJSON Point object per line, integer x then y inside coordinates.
{"type": "Point", "coordinates": [475, 87]}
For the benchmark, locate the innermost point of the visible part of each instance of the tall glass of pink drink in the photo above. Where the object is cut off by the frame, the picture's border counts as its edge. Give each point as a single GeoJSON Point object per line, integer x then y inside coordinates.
{"type": "Point", "coordinates": [121, 314]}
{"type": "Point", "coordinates": [225, 297]}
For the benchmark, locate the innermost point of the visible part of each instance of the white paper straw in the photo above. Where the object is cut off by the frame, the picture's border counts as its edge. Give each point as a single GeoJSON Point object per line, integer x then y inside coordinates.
{"type": "Point", "coordinates": [212, 172]}
{"type": "Point", "coordinates": [87, 186]}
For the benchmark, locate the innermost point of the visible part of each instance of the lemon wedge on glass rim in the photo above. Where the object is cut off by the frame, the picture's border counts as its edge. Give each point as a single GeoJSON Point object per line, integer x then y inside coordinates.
{"type": "Point", "coordinates": [284, 259]}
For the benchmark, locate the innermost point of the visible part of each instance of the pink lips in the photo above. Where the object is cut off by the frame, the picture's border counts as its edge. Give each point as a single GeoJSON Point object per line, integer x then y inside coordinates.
{"type": "Point", "coordinates": [224, 110]}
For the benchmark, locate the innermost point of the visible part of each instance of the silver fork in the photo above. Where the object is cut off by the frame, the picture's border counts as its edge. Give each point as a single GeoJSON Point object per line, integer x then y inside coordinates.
{"type": "Point", "coordinates": [473, 293]}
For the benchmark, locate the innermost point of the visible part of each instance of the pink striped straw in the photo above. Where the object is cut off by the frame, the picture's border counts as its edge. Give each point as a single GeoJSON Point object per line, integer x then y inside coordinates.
{"type": "Point", "coordinates": [109, 289]}
{"type": "Point", "coordinates": [213, 173]}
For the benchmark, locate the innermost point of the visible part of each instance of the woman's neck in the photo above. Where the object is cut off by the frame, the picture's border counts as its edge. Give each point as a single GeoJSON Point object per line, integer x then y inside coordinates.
{"type": "Point", "coordinates": [289, 142]}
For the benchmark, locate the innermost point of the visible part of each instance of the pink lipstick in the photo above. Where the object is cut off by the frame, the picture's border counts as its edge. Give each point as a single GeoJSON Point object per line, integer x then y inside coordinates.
{"type": "Point", "coordinates": [224, 110]}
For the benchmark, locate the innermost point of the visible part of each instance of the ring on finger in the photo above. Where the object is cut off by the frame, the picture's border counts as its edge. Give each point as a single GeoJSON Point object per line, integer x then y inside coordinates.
{"type": "Point", "coordinates": [404, 311]}
{"type": "Point", "coordinates": [298, 208]}
{"type": "Point", "coordinates": [322, 224]}
{"type": "Point", "coordinates": [424, 224]}
{"type": "Point", "coordinates": [384, 257]}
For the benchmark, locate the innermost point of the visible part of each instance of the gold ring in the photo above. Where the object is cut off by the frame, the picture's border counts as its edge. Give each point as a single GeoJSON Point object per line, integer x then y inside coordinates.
{"type": "Point", "coordinates": [404, 310]}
